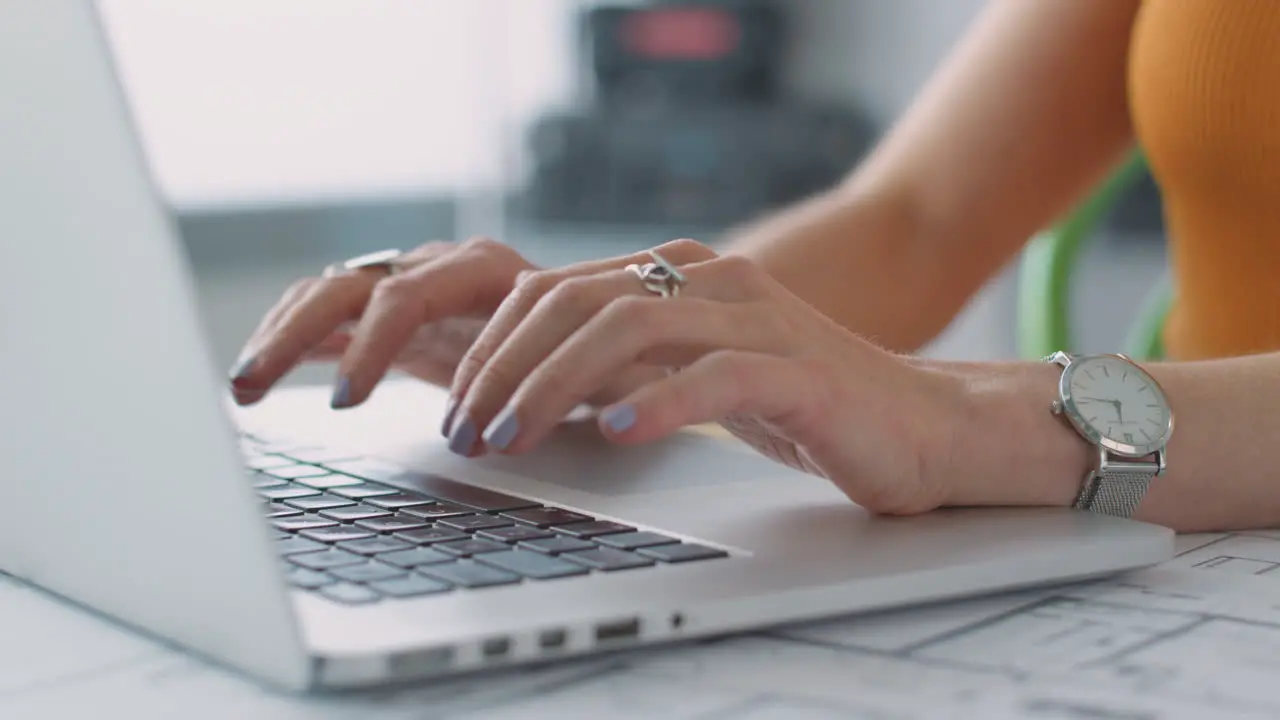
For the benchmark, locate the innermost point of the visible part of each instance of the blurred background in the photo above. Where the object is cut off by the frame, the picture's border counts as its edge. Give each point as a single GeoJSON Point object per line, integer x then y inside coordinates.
{"type": "Point", "coordinates": [287, 134]}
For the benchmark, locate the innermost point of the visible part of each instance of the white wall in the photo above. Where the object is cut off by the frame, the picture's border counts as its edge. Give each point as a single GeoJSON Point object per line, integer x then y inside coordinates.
{"type": "Point", "coordinates": [877, 52]}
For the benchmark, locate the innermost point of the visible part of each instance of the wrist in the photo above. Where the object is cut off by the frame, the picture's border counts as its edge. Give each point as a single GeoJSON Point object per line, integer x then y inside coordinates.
{"type": "Point", "coordinates": [1009, 448]}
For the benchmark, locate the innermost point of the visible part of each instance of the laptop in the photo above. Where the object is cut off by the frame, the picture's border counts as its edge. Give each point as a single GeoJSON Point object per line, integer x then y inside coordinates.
{"type": "Point", "coordinates": [131, 491]}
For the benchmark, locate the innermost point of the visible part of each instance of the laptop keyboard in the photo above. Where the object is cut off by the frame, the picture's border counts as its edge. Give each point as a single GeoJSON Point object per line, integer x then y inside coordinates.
{"type": "Point", "coordinates": [357, 531]}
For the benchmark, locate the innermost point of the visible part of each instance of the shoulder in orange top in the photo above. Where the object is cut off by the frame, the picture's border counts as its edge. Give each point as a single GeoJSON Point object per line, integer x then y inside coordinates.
{"type": "Point", "coordinates": [1205, 98]}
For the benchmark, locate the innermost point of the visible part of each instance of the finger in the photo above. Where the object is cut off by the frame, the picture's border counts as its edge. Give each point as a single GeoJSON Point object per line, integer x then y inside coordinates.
{"type": "Point", "coordinates": [571, 290]}
{"type": "Point", "coordinates": [326, 306]}
{"type": "Point", "coordinates": [631, 329]}
{"type": "Point", "coordinates": [332, 347]}
{"type": "Point", "coordinates": [290, 297]}
{"type": "Point", "coordinates": [472, 280]}
{"type": "Point", "coordinates": [532, 287]}
{"type": "Point", "coordinates": [720, 385]}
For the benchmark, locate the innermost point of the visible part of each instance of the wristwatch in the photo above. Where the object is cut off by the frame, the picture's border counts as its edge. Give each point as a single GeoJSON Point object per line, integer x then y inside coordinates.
{"type": "Point", "coordinates": [1122, 411]}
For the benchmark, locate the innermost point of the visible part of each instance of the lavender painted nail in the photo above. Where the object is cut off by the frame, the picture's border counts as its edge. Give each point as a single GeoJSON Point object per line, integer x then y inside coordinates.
{"type": "Point", "coordinates": [341, 394]}
{"type": "Point", "coordinates": [503, 429]}
{"type": "Point", "coordinates": [449, 411]}
{"type": "Point", "coordinates": [241, 371]}
{"type": "Point", "coordinates": [463, 437]}
{"type": "Point", "coordinates": [619, 418]}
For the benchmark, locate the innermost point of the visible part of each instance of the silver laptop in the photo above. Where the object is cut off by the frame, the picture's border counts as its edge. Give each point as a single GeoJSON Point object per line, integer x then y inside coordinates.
{"type": "Point", "coordinates": [130, 491]}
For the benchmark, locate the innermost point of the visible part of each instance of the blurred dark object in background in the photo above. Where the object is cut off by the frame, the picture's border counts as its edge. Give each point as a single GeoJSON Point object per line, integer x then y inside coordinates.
{"type": "Point", "coordinates": [689, 123]}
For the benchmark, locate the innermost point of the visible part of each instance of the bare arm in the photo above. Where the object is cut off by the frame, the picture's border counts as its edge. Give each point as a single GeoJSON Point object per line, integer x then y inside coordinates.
{"type": "Point", "coordinates": [1223, 471]}
{"type": "Point", "coordinates": [1029, 112]}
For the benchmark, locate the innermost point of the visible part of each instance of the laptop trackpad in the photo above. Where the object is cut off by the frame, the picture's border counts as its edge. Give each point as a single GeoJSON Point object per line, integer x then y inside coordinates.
{"type": "Point", "coordinates": [579, 459]}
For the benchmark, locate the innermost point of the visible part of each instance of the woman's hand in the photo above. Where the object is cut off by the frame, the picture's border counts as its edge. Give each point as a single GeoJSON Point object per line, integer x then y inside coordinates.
{"type": "Point", "coordinates": [422, 320]}
{"type": "Point", "coordinates": [749, 354]}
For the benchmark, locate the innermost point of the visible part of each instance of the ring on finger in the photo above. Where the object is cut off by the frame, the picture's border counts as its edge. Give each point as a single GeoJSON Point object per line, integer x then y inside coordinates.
{"type": "Point", "coordinates": [383, 261]}
{"type": "Point", "coordinates": [659, 277]}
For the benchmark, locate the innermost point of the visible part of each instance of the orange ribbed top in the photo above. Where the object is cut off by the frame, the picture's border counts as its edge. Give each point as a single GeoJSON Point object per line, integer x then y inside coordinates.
{"type": "Point", "coordinates": [1205, 98]}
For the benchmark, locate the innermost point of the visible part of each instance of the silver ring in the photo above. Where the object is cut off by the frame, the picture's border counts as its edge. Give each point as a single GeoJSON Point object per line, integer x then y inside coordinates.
{"type": "Point", "coordinates": [383, 260]}
{"type": "Point", "coordinates": [659, 277]}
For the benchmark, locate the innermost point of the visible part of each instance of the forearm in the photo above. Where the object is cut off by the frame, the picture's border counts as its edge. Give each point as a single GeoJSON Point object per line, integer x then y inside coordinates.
{"type": "Point", "coordinates": [1027, 114]}
{"type": "Point", "coordinates": [1222, 473]}
{"type": "Point", "coordinates": [862, 260]}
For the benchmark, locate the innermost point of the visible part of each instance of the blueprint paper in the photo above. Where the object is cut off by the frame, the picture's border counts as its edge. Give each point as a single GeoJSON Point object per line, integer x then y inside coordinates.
{"type": "Point", "coordinates": [1196, 637]}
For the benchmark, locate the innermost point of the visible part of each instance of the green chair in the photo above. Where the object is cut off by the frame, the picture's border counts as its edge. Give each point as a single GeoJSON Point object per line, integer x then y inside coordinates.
{"type": "Point", "coordinates": [1044, 281]}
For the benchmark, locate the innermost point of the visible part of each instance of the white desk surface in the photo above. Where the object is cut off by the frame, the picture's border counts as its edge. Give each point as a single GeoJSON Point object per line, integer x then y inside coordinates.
{"type": "Point", "coordinates": [1197, 637]}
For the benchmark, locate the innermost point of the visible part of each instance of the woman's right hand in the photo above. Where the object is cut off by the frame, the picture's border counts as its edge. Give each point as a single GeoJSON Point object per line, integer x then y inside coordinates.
{"type": "Point", "coordinates": [421, 320]}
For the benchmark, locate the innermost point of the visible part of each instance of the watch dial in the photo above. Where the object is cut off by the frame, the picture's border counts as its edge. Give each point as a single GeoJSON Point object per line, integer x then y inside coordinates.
{"type": "Point", "coordinates": [1120, 402]}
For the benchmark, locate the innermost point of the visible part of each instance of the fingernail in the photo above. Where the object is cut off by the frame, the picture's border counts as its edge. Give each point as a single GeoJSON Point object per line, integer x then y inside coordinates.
{"type": "Point", "coordinates": [341, 394]}
{"type": "Point", "coordinates": [619, 418]}
{"type": "Point", "coordinates": [449, 411]}
{"type": "Point", "coordinates": [241, 371]}
{"type": "Point", "coordinates": [503, 429]}
{"type": "Point", "coordinates": [463, 437]}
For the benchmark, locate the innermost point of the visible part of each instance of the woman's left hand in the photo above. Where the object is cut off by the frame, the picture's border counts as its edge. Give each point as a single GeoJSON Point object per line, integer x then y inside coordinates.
{"type": "Point", "coordinates": [750, 355]}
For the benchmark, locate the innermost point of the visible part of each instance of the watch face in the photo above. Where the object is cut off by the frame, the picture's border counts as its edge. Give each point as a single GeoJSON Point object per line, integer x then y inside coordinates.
{"type": "Point", "coordinates": [1117, 404]}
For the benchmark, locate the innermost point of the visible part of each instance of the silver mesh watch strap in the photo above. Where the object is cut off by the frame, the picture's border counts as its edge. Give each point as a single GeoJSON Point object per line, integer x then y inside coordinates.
{"type": "Point", "coordinates": [1117, 488]}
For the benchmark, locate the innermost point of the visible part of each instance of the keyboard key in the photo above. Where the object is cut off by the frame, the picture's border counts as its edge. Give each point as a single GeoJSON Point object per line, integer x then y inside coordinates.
{"type": "Point", "coordinates": [398, 500]}
{"type": "Point", "coordinates": [349, 594]}
{"type": "Point", "coordinates": [633, 540]}
{"type": "Point", "coordinates": [443, 488]}
{"type": "Point", "coordinates": [435, 511]}
{"type": "Point", "coordinates": [336, 533]}
{"type": "Point", "coordinates": [469, 574]}
{"type": "Point", "coordinates": [547, 516]}
{"type": "Point", "coordinates": [429, 535]}
{"type": "Point", "coordinates": [513, 533]}
{"type": "Point", "coordinates": [469, 547]}
{"type": "Point", "coordinates": [294, 545]}
{"type": "Point", "coordinates": [415, 557]}
{"type": "Point", "coordinates": [308, 579]}
{"type": "Point", "coordinates": [594, 528]}
{"type": "Point", "coordinates": [266, 462]}
{"type": "Point", "coordinates": [410, 586]}
{"type": "Point", "coordinates": [374, 545]}
{"type": "Point", "coordinates": [531, 564]}
{"type": "Point", "coordinates": [355, 512]}
{"type": "Point", "coordinates": [326, 559]}
{"type": "Point", "coordinates": [261, 481]}
{"type": "Point", "coordinates": [395, 523]}
{"type": "Point", "coordinates": [287, 492]}
{"type": "Point", "coordinates": [557, 544]}
{"type": "Point", "coordinates": [277, 510]}
{"type": "Point", "coordinates": [301, 522]}
{"type": "Point", "coordinates": [364, 490]}
{"type": "Point", "coordinates": [684, 552]}
{"type": "Point", "coordinates": [294, 472]}
{"type": "Point", "coordinates": [329, 481]}
{"type": "Point", "coordinates": [474, 522]}
{"type": "Point", "coordinates": [605, 559]}
{"type": "Point", "coordinates": [319, 502]}
{"type": "Point", "coordinates": [368, 572]}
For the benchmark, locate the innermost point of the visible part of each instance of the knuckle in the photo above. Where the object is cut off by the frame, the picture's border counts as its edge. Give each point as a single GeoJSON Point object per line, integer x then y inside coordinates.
{"type": "Point", "coordinates": [574, 292]}
{"type": "Point", "coordinates": [637, 315]}
{"type": "Point", "coordinates": [485, 245]}
{"type": "Point", "coordinates": [742, 272]}
{"type": "Point", "coordinates": [732, 366]}
{"type": "Point", "coordinates": [687, 250]}
{"type": "Point", "coordinates": [537, 283]}
{"type": "Point", "coordinates": [397, 287]}
{"type": "Point", "coordinates": [298, 288]}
